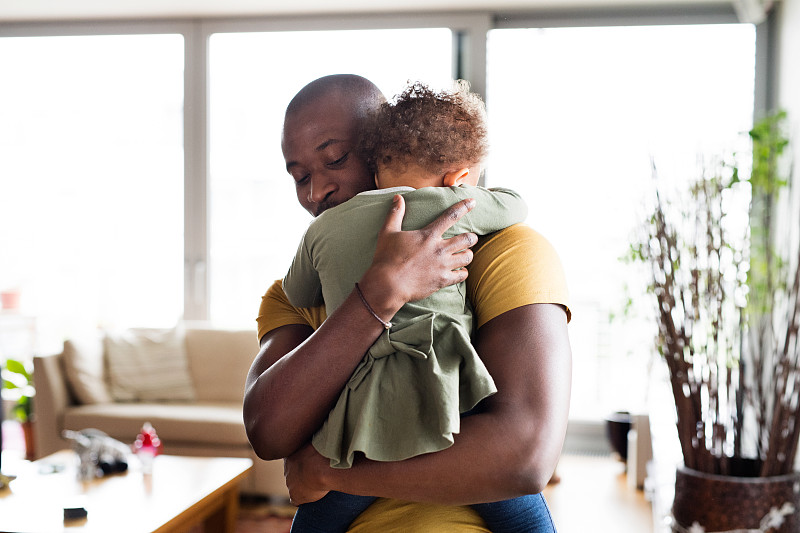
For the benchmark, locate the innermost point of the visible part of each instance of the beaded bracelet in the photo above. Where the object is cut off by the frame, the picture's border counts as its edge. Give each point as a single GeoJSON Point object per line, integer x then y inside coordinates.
{"type": "Point", "coordinates": [386, 325]}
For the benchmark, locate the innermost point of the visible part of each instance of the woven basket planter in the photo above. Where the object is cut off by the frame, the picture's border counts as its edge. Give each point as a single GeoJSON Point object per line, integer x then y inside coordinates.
{"type": "Point", "coordinates": [729, 503]}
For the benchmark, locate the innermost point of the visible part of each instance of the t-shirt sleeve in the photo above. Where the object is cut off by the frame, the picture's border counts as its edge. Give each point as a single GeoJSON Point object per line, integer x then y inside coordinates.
{"type": "Point", "coordinates": [302, 284]}
{"type": "Point", "coordinates": [276, 311]}
{"type": "Point", "coordinates": [514, 267]}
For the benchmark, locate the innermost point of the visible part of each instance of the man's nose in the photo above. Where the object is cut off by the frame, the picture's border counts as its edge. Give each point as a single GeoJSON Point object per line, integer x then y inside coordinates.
{"type": "Point", "coordinates": [321, 186]}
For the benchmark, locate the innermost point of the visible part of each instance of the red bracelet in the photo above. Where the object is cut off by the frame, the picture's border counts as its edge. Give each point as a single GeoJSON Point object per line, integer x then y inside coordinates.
{"type": "Point", "coordinates": [386, 325]}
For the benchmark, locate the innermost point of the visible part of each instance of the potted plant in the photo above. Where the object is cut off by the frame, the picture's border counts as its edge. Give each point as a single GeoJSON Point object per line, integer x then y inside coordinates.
{"type": "Point", "coordinates": [728, 317]}
{"type": "Point", "coordinates": [18, 378]}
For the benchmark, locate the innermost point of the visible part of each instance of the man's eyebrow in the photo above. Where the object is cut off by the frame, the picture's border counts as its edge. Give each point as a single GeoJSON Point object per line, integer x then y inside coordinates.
{"type": "Point", "coordinates": [327, 143]}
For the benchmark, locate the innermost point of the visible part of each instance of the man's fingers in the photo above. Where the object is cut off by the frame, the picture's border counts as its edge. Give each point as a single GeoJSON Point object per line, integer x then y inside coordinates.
{"type": "Point", "coordinates": [461, 242]}
{"type": "Point", "coordinates": [451, 215]}
{"type": "Point", "coordinates": [463, 259]}
{"type": "Point", "coordinates": [394, 220]}
{"type": "Point", "coordinates": [457, 276]}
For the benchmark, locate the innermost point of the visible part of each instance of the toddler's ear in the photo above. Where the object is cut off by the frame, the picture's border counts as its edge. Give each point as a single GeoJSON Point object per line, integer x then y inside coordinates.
{"type": "Point", "coordinates": [455, 177]}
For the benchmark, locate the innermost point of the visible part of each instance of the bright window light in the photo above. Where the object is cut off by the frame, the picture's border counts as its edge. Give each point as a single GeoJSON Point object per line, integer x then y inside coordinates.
{"type": "Point", "coordinates": [91, 181]}
{"type": "Point", "coordinates": [576, 114]}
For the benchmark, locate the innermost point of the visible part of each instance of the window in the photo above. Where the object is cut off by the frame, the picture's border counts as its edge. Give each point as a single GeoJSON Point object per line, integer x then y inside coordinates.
{"type": "Point", "coordinates": [255, 221]}
{"type": "Point", "coordinates": [91, 180]}
{"type": "Point", "coordinates": [92, 156]}
{"type": "Point", "coordinates": [575, 116]}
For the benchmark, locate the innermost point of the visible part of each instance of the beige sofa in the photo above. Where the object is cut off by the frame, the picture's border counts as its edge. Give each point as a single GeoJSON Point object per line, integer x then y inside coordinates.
{"type": "Point", "coordinates": [75, 390]}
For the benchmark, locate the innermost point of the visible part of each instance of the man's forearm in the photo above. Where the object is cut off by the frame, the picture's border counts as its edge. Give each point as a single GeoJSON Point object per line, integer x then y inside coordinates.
{"type": "Point", "coordinates": [512, 446]}
{"type": "Point", "coordinates": [291, 387]}
{"type": "Point", "coordinates": [463, 474]}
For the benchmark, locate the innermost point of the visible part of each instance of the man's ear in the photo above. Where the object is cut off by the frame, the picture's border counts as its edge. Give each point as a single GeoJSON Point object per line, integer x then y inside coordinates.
{"type": "Point", "coordinates": [455, 177]}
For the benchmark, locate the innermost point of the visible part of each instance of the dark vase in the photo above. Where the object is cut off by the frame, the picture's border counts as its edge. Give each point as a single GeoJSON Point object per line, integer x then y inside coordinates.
{"type": "Point", "coordinates": [617, 427]}
{"type": "Point", "coordinates": [731, 503]}
{"type": "Point", "coordinates": [30, 447]}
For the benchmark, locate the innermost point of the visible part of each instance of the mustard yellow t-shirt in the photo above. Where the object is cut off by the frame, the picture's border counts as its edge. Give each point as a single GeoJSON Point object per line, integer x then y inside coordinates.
{"type": "Point", "coordinates": [511, 268]}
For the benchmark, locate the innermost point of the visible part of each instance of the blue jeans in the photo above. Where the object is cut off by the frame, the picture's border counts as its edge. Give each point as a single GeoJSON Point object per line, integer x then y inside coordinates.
{"type": "Point", "coordinates": [336, 511]}
{"type": "Point", "coordinates": [332, 514]}
{"type": "Point", "coordinates": [526, 514]}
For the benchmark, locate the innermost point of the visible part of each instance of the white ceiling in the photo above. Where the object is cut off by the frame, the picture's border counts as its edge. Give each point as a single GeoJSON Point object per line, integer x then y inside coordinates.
{"type": "Point", "coordinates": [50, 10]}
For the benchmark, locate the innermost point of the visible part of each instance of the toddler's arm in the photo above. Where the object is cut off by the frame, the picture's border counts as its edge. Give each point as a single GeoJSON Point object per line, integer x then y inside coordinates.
{"type": "Point", "coordinates": [496, 209]}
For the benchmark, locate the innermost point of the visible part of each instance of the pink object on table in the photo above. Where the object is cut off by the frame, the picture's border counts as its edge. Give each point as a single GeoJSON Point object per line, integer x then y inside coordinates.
{"type": "Point", "coordinates": [146, 446]}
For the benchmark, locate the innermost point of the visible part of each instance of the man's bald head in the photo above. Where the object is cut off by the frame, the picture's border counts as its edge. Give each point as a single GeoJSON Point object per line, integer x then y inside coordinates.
{"type": "Point", "coordinates": [320, 137]}
{"type": "Point", "coordinates": [356, 92]}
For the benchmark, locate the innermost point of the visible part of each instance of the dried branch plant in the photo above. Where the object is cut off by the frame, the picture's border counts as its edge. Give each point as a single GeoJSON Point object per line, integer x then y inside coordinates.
{"type": "Point", "coordinates": [727, 317]}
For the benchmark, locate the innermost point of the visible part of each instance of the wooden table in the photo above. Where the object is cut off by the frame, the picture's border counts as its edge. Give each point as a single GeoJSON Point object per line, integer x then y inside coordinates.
{"type": "Point", "coordinates": [180, 493]}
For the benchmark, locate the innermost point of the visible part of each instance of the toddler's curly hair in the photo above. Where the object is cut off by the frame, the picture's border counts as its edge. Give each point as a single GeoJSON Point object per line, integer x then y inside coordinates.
{"type": "Point", "coordinates": [437, 130]}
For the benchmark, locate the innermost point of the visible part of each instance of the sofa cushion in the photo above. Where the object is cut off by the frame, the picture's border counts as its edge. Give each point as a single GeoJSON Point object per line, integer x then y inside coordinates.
{"type": "Point", "coordinates": [197, 423]}
{"type": "Point", "coordinates": [218, 361]}
{"type": "Point", "coordinates": [148, 365]}
{"type": "Point", "coordinates": [84, 368]}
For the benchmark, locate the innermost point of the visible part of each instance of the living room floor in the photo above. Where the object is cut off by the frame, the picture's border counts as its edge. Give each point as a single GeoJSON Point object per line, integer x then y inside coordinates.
{"type": "Point", "coordinates": [593, 495]}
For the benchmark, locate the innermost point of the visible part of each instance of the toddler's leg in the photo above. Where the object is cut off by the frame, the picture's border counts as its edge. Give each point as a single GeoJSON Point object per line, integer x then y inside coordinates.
{"type": "Point", "coordinates": [332, 514]}
{"type": "Point", "coordinates": [526, 514]}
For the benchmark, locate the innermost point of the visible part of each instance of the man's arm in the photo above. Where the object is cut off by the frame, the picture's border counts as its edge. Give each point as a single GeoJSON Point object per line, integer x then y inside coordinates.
{"type": "Point", "coordinates": [511, 447]}
{"type": "Point", "coordinates": [298, 374]}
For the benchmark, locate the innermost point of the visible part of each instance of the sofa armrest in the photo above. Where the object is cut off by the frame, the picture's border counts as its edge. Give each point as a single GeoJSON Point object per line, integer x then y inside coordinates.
{"type": "Point", "coordinates": [52, 399]}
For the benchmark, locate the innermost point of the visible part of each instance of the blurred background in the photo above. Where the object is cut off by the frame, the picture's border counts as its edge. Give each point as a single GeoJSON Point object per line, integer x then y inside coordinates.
{"type": "Point", "coordinates": [141, 178]}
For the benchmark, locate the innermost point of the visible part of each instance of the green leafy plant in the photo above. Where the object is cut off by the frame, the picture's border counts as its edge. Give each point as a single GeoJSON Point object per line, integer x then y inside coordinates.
{"type": "Point", "coordinates": [17, 377]}
{"type": "Point", "coordinates": [727, 312]}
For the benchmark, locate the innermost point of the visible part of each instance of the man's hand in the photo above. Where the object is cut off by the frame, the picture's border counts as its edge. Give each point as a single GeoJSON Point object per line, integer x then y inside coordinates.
{"type": "Point", "coordinates": [300, 470]}
{"type": "Point", "coordinates": [411, 265]}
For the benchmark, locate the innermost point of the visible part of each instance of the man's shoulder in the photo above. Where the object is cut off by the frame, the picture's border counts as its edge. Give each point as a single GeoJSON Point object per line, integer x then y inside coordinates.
{"type": "Point", "coordinates": [519, 246]}
{"type": "Point", "coordinates": [517, 238]}
{"type": "Point", "coordinates": [513, 267]}
{"type": "Point", "coordinates": [276, 310]}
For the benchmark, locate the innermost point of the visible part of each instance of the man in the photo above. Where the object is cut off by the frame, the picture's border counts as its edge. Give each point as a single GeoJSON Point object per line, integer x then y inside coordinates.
{"type": "Point", "coordinates": [510, 446]}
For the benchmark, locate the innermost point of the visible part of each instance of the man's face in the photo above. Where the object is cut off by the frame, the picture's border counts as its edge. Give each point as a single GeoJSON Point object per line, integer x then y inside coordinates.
{"type": "Point", "coordinates": [319, 142]}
